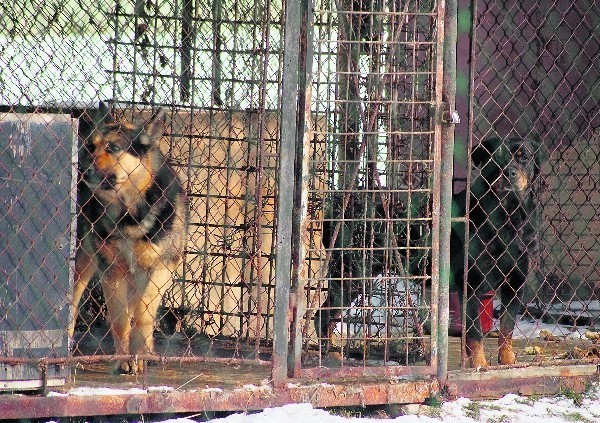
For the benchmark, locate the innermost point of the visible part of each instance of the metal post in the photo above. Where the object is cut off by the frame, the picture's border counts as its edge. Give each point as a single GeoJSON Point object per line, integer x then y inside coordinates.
{"type": "Point", "coordinates": [304, 133]}
{"type": "Point", "coordinates": [286, 179]}
{"type": "Point", "coordinates": [447, 165]}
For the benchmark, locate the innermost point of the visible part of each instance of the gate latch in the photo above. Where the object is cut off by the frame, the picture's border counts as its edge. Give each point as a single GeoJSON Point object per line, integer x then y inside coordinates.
{"type": "Point", "coordinates": [451, 117]}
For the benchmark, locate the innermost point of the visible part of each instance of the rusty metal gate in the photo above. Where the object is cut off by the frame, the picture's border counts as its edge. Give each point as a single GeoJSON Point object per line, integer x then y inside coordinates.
{"type": "Point", "coordinates": [313, 141]}
{"type": "Point", "coordinates": [367, 230]}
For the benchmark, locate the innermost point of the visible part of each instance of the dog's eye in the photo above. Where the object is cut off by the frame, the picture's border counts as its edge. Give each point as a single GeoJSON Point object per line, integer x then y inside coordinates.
{"type": "Point", "coordinates": [522, 158]}
{"type": "Point", "coordinates": [113, 148]}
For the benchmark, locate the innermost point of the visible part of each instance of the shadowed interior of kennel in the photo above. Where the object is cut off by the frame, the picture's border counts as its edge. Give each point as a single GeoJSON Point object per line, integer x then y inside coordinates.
{"type": "Point", "coordinates": [535, 74]}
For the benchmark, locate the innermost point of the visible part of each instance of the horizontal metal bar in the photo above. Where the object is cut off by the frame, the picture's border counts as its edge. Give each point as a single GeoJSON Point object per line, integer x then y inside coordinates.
{"type": "Point", "coordinates": [327, 393]}
{"type": "Point", "coordinates": [408, 372]}
{"type": "Point", "coordinates": [100, 358]}
{"type": "Point", "coordinates": [522, 380]}
{"type": "Point", "coordinates": [247, 398]}
{"type": "Point", "coordinates": [274, 22]}
{"type": "Point", "coordinates": [374, 13]}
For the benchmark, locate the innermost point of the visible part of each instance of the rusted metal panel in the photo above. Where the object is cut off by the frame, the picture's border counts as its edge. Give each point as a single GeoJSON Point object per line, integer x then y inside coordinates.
{"type": "Point", "coordinates": [382, 371]}
{"type": "Point", "coordinates": [251, 398]}
{"type": "Point", "coordinates": [523, 381]}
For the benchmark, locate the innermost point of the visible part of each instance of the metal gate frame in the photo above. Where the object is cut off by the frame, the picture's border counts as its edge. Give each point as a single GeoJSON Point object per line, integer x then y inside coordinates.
{"type": "Point", "coordinates": [290, 224]}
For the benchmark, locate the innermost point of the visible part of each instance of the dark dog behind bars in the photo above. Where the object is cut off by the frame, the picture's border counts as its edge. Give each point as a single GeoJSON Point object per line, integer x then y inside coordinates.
{"type": "Point", "coordinates": [503, 239]}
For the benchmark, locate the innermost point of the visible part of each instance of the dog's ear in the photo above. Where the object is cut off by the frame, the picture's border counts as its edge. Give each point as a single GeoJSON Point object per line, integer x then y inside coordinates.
{"type": "Point", "coordinates": [104, 114]}
{"type": "Point", "coordinates": [483, 152]}
{"type": "Point", "coordinates": [155, 127]}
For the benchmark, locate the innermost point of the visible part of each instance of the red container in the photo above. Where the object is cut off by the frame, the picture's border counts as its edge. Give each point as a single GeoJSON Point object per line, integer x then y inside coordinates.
{"type": "Point", "coordinates": [486, 313]}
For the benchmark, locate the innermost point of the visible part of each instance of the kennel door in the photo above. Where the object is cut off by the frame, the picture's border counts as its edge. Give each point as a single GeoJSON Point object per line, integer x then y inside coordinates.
{"type": "Point", "coordinates": [37, 189]}
{"type": "Point", "coordinates": [366, 283]}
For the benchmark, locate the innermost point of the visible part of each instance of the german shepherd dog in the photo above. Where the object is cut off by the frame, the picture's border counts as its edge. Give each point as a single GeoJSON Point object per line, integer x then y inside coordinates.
{"type": "Point", "coordinates": [503, 226]}
{"type": "Point", "coordinates": [132, 227]}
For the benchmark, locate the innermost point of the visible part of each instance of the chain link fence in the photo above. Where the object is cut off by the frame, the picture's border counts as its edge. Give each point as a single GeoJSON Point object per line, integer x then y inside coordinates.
{"type": "Point", "coordinates": [535, 74]}
{"type": "Point", "coordinates": [216, 68]}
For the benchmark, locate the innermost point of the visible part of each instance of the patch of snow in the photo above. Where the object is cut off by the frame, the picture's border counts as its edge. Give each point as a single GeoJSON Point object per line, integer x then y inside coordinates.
{"type": "Point", "coordinates": [530, 329]}
{"type": "Point", "coordinates": [160, 389]}
{"type": "Point", "coordinates": [86, 391]}
{"type": "Point", "coordinates": [592, 305]}
{"type": "Point", "coordinates": [251, 387]}
{"type": "Point", "coordinates": [57, 394]}
{"type": "Point", "coordinates": [179, 420]}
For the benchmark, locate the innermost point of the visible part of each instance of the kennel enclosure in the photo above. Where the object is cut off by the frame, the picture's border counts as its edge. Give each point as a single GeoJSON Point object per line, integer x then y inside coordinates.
{"type": "Point", "coordinates": [319, 144]}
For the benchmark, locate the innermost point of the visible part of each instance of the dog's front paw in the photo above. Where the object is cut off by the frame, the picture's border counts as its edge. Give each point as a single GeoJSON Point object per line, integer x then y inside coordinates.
{"type": "Point", "coordinates": [476, 354]}
{"type": "Point", "coordinates": [506, 355]}
{"type": "Point", "coordinates": [478, 361]}
{"type": "Point", "coordinates": [128, 367]}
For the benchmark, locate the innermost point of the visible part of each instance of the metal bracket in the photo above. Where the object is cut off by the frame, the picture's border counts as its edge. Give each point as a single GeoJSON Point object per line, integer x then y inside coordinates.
{"type": "Point", "coordinates": [450, 117]}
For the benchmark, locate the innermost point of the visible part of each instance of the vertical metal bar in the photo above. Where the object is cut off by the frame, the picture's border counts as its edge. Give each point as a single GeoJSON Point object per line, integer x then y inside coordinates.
{"type": "Point", "coordinates": [115, 46]}
{"type": "Point", "coordinates": [447, 166]}
{"type": "Point", "coordinates": [217, 10]}
{"type": "Point", "coordinates": [187, 40]}
{"type": "Point", "coordinates": [301, 221]}
{"type": "Point", "coordinates": [44, 375]}
{"type": "Point", "coordinates": [471, 128]}
{"type": "Point", "coordinates": [436, 342]}
{"type": "Point", "coordinates": [265, 48]}
{"type": "Point", "coordinates": [286, 179]}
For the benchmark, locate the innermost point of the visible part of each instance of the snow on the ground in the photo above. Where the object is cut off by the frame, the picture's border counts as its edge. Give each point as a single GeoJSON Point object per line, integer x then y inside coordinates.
{"type": "Point", "coordinates": [530, 329]}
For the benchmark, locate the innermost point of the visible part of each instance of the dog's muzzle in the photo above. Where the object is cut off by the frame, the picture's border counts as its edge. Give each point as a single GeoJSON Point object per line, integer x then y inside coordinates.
{"type": "Point", "coordinates": [515, 179]}
{"type": "Point", "coordinates": [95, 180]}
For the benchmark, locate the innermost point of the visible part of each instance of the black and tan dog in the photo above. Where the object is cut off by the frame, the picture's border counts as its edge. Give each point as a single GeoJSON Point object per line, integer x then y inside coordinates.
{"type": "Point", "coordinates": [131, 228]}
{"type": "Point", "coordinates": [503, 224]}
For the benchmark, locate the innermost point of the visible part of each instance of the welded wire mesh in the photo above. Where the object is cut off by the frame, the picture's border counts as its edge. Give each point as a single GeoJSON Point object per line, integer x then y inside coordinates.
{"type": "Point", "coordinates": [371, 183]}
{"type": "Point", "coordinates": [535, 75]}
